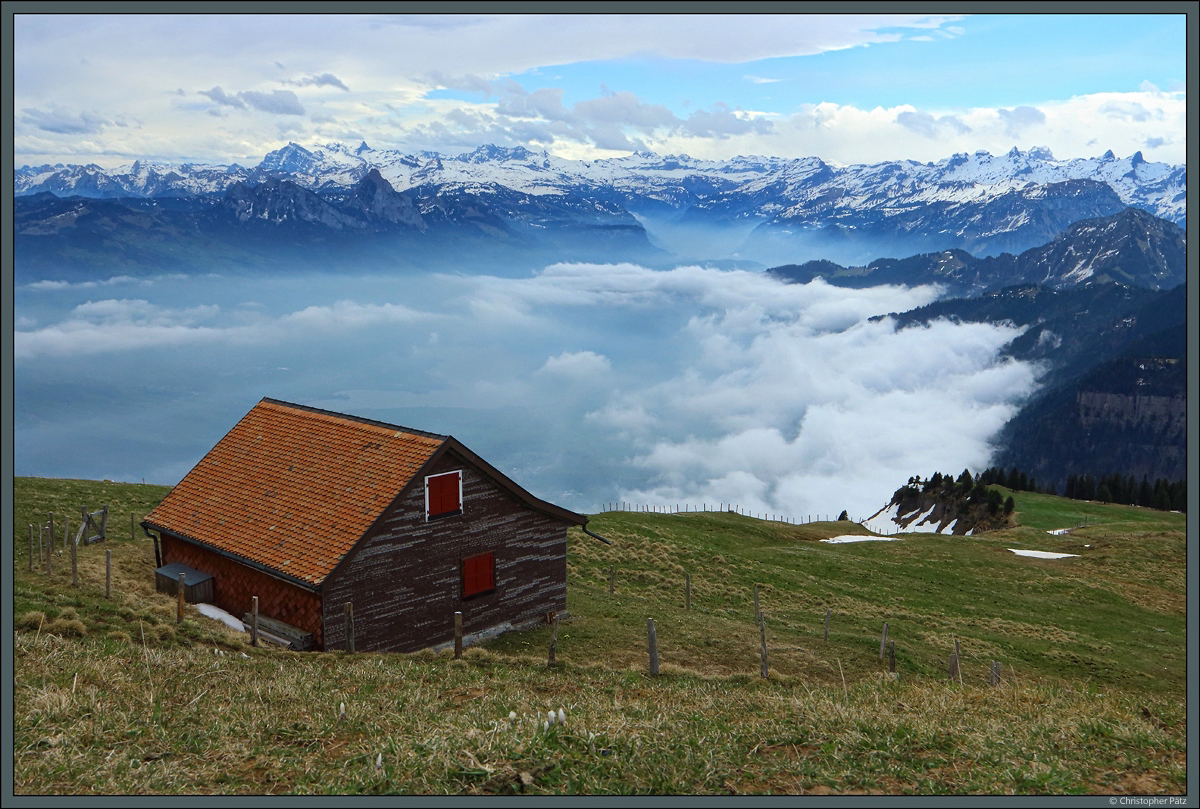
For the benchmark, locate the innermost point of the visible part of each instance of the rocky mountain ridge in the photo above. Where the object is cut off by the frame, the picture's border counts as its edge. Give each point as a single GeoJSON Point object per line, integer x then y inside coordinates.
{"type": "Point", "coordinates": [1132, 248]}
{"type": "Point", "coordinates": [792, 207]}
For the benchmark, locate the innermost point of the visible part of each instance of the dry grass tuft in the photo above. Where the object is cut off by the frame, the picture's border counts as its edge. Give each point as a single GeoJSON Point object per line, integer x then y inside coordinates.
{"type": "Point", "coordinates": [34, 619]}
{"type": "Point", "coordinates": [66, 628]}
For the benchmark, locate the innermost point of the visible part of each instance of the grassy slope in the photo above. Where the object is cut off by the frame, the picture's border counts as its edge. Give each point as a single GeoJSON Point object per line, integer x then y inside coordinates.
{"type": "Point", "coordinates": [113, 697]}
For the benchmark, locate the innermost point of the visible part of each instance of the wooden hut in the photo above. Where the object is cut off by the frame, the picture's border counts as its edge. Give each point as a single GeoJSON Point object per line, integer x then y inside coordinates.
{"type": "Point", "coordinates": [310, 510]}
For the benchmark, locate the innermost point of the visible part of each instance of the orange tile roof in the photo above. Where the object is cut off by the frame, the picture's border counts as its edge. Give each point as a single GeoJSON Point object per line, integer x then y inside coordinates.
{"type": "Point", "coordinates": [293, 488]}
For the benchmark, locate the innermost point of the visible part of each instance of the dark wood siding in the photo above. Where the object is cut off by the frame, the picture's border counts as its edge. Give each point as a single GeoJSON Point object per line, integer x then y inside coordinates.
{"type": "Point", "coordinates": [234, 585]}
{"type": "Point", "coordinates": [405, 577]}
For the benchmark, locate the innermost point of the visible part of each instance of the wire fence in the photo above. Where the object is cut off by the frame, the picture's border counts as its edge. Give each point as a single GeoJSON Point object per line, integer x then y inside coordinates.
{"type": "Point", "coordinates": [733, 508]}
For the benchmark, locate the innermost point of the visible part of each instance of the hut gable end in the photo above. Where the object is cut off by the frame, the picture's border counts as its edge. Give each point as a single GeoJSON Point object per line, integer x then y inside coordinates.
{"type": "Point", "coordinates": [406, 578]}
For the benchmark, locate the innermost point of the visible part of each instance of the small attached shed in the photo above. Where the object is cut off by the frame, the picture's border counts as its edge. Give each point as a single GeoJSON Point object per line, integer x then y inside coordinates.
{"type": "Point", "coordinates": [310, 510]}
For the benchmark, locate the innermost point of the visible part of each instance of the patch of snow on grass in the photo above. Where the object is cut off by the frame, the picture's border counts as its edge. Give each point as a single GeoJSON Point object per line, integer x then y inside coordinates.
{"type": "Point", "coordinates": [218, 614]}
{"type": "Point", "coordinates": [858, 538]}
{"type": "Point", "coordinates": [1042, 554]}
{"type": "Point", "coordinates": [1060, 531]}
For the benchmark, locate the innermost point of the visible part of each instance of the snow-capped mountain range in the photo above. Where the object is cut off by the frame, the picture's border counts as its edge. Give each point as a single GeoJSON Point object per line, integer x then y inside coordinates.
{"type": "Point", "coordinates": [643, 207]}
{"type": "Point", "coordinates": [741, 187]}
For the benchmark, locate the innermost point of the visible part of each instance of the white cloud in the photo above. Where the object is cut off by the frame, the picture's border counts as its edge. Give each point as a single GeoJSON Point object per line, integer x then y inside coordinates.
{"type": "Point", "coordinates": [1081, 126]}
{"type": "Point", "coordinates": [322, 80]}
{"type": "Point", "coordinates": [382, 83]}
{"type": "Point", "coordinates": [577, 364]}
{"type": "Point", "coordinates": [62, 122]}
{"type": "Point", "coordinates": [130, 325]}
{"type": "Point", "coordinates": [767, 391]}
{"type": "Point", "coordinates": [48, 285]}
{"type": "Point", "coordinates": [1020, 118]}
{"type": "Point", "coordinates": [802, 421]}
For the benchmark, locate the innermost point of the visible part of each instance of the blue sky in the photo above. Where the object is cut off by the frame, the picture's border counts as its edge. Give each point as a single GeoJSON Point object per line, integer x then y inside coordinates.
{"type": "Point", "coordinates": [847, 88]}
{"type": "Point", "coordinates": [1044, 56]}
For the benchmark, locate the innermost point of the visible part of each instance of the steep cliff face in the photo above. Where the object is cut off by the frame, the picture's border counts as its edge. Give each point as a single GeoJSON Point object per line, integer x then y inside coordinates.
{"type": "Point", "coordinates": [1166, 416]}
{"type": "Point", "coordinates": [1127, 416]}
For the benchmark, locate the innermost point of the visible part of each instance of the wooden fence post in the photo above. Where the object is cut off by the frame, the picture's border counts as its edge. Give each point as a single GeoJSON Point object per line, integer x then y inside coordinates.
{"type": "Point", "coordinates": [994, 674]}
{"type": "Point", "coordinates": [132, 534]}
{"type": "Point", "coordinates": [652, 647]}
{"type": "Point", "coordinates": [762, 646]}
{"type": "Point", "coordinates": [952, 667]}
{"type": "Point", "coordinates": [179, 600]}
{"type": "Point", "coordinates": [610, 579]}
{"type": "Point", "coordinates": [348, 614]}
{"type": "Point", "coordinates": [826, 635]}
{"type": "Point", "coordinates": [687, 591]}
{"type": "Point", "coordinates": [74, 562]}
{"type": "Point", "coordinates": [51, 528]}
{"type": "Point", "coordinates": [253, 620]}
{"type": "Point", "coordinates": [883, 640]}
{"type": "Point", "coordinates": [49, 551]}
{"type": "Point", "coordinates": [957, 660]}
{"type": "Point", "coordinates": [457, 635]}
{"type": "Point", "coordinates": [107, 573]}
{"type": "Point", "coordinates": [553, 642]}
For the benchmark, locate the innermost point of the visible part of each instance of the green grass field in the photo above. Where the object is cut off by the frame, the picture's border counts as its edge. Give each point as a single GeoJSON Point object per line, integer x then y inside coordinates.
{"type": "Point", "coordinates": [112, 696]}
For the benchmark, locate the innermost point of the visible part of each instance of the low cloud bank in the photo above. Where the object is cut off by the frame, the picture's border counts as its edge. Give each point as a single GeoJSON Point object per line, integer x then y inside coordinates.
{"type": "Point", "coordinates": [686, 386]}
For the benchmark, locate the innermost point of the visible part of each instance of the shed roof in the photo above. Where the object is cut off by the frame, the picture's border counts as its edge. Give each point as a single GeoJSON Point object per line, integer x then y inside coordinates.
{"type": "Point", "coordinates": [293, 488]}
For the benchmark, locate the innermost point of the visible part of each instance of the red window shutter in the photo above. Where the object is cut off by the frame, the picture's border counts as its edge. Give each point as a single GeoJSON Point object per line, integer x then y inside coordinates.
{"type": "Point", "coordinates": [443, 493]}
{"type": "Point", "coordinates": [477, 574]}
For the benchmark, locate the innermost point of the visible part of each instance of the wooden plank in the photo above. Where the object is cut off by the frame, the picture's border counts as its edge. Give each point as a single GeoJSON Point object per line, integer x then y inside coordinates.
{"type": "Point", "coordinates": [458, 635]}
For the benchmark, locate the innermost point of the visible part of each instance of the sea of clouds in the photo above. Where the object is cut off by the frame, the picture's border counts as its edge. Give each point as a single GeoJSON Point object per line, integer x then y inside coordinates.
{"type": "Point", "coordinates": [588, 384]}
